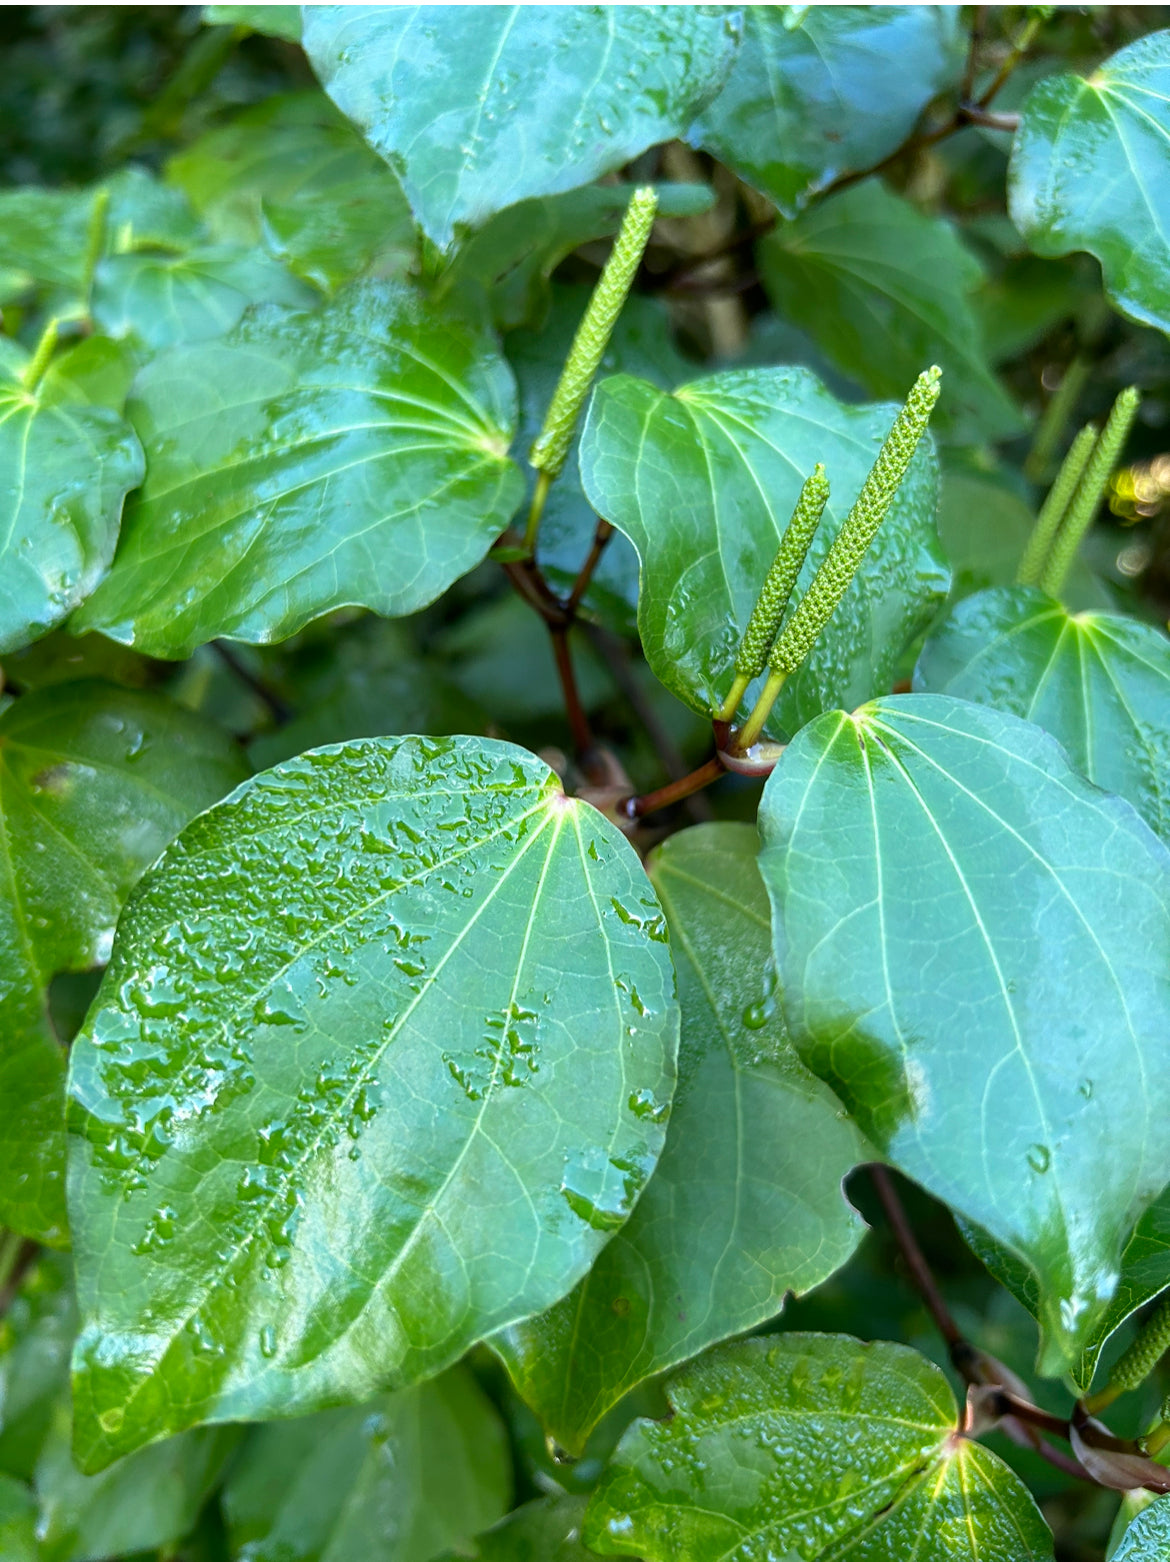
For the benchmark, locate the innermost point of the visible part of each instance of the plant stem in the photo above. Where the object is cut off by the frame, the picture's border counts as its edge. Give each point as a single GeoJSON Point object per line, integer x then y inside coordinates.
{"type": "Point", "coordinates": [601, 535]}
{"type": "Point", "coordinates": [574, 710]}
{"type": "Point", "coordinates": [536, 509]}
{"type": "Point", "coordinates": [17, 1255]}
{"type": "Point", "coordinates": [1055, 416]}
{"type": "Point", "coordinates": [748, 734]}
{"type": "Point", "coordinates": [1019, 49]}
{"type": "Point", "coordinates": [914, 1258]}
{"type": "Point", "coordinates": [675, 792]}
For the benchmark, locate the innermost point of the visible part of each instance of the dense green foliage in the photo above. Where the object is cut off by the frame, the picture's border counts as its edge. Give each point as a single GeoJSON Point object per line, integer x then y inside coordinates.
{"type": "Point", "coordinates": [499, 1058]}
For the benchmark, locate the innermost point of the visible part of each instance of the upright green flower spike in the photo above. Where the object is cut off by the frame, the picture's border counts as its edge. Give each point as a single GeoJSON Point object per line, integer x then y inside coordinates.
{"type": "Point", "coordinates": [1090, 489]}
{"type": "Point", "coordinates": [764, 624]}
{"type": "Point", "coordinates": [859, 528]}
{"type": "Point", "coordinates": [1052, 512]}
{"type": "Point", "coordinates": [551, 446]}
{"type": "Point", "coordinates": [1136, 1364]}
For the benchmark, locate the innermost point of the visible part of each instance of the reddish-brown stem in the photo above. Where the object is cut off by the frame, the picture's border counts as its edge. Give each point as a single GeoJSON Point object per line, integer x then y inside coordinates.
{"type": "Point", "coordinates": [25, 1258]}
{"type": "Point", "coordinates": [601, 535]}
{"type": "Point", "coordinates": [968, 86]}
{"type": "Point", "coordinates": [674, 792]}
{"type": "Point", "coordinates": [915, 1260]}
{"type": "Point", "coordinates": [578, 721]}
{"type": "Point", "coordinates": [532, 586]}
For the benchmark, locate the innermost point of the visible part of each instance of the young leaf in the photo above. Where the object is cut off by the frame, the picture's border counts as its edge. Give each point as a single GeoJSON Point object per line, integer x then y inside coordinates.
{"type": "Point", "coordinates": [378, 1066]}
{"type": "Point", "coordinates": [547, 1530]}
{"type": "Point", "coordinates": [885, 290]}
{"type": "Point", "coordinates": [973, 945]}
{"type": "Point", "coordinates": [746, 1203]}
{"type": "Point", "coordinates": [94, 781]}
{"type": "Point", "coordinates": [65, 467]}
{"type": "Point", "coordinates": [703, 483]}
{"type": "Point", "coordinates": [811, 1446]}
{"type": "Point", "coordinates": [1089, 168]}
{"type": "Point", "coordinates": [1099, 683]}
{"type": "Point", "coordinates": [1148, 1538]}
{"type": "Point", "coordinates": [309, 461]}
{"type": "Point", "coordinates": [399, 1478]}
{"type": "Point", "coordinates": [531, 101]}
{"type": "Point", "coordinates": [811, 95]}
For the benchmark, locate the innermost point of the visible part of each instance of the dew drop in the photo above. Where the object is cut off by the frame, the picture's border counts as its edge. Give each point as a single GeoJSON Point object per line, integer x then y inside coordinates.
{"type": "Point", "coordinates": [1039, 1157]}
{"type": "Point", "coordinates": [268, 1341]}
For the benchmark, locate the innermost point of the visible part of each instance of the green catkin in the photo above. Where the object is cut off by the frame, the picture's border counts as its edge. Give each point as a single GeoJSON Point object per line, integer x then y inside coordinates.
{"type": "Point", "coordinates": [859, 528]}
{"type": "Point", "coordinates": [551, 446]}
{"type": "Point", "coordinates": [1052, 512]}
{"type": "Point", "coordinates": [1136, 1364]}
{"type": "Point", "coordinates": [1083, 505]}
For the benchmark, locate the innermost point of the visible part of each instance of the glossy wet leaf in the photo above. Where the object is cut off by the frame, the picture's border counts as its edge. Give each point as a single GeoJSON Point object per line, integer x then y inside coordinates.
{"type": "Point", "coordinates": [703, 483]}
{"type": "Point", "coordinates": [1100, 683]}
{"type": "Point", "coordinates": [159, 300]}
{"type": "Point", "coordinates": [304, 462]}
{"type": "Point", "coordinates": [533, 100]}
{"type": "Point", "coordinates": [547, 1530]}
{"type": "Point", "coordinates": [812, 95]}
{"type": "Point", "coordinates": [94, 781]}
{"type": "Point", "coordinates": [811, 1447]}
{"type": "Point", "coordinates": [1145, 1274]}
{"type": "Point", "coordinates": [292, 172]}
{"type": "Point", "coordinates": [347, 1103]}
{"type": "Point", "coordinates": [1148, 1538]}
{"type": "Point", "coordinates": [641, 344]}
{"type": "Point", "coordinates": [746, 1203]}
{"type": "Point", "coordinates": [974, 945]}
{"type": "Point", "coordinates": [885, 291]}
{"type": "Point", "coordinates": [65, 468]}
{"type": "Point", "coordinates": [399, 1478]}
{"type": "Point", "coordinates": [1089, 171]}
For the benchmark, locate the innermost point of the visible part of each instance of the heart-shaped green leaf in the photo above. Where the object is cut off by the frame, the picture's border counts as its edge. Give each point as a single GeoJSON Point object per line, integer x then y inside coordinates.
{"type": "Point", "coordinates": [1089, 171]}
{"type": "Point", "coordinates": [811, 95]}
{"type": "Point", "coordinates": [811, 1447]}
{"type": "Point", "coordinates": [65, 467]}
{"type": "Point", "coordinates": [885, 291]}
{"type": "Point", "coordinates": [378, 1065]}
{"type": "Point", "coordinates": [547, 1530]}
{"type": "Point", "coordinates": [94, 781]}
{"type": "Point", "coordinates": [1100, 683]}
{"type": "Point", "coordinates": [974, 951]}
{"type": "Point", "coordinates": [308, 461]}
{"type": "Point", "coordinates": [399, 1478]}
{"type": "Point", "coordinates": [703, 483]}
{"type": "Point", "coordinates": [746, 1203]}
{"type": "Point", "coordinates": [531, 100]}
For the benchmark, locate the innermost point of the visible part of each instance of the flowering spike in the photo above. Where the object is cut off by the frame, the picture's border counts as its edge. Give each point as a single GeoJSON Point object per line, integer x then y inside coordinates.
{"type": "Point", "coordinates": [859, 527]}
{"type": "Point", "coordinates": [1134, 1366]}
{"type": "Point", "coordinates": [551, 446]}
{"type": "Point", "coordinates": [1084, 502]}
{"type": "Point", "coordinates": [1052, 512]}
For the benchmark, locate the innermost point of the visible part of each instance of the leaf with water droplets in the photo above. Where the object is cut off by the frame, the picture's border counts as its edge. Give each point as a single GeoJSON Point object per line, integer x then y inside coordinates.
{"type": "Point", "coordinates": [746, 1203]}
{"type": "Point", "coordinates": [304, 462]}
{"type": "Point", "coordinates": [811, 1446]}
{"type": "Point", "coordinates": [703, 483]}
{"type": "Point", "coordinates": [1089, 170]}
{"type": "Point", "coordinates": [399, 1478]}
{"type": "Point", "coordinates": [355, 1091]}
{"type": "Point", "coordinates": [819, 91]}
{"type": "Point", "coordinates": [94, 781]}
{"type": "Point", "coordinates": [66, 464]}
{"type": "Point", "coordinates": [968, 933]}
{"type": "Point", "coordinates": [1098, 682]}
{"type": "Point", "coordinates": [548, 1530]}
{"type": "Point", "coordinates": [533, 100]}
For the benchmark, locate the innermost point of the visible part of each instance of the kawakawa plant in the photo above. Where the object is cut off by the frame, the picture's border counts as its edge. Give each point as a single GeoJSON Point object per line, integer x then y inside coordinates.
{"type": "Point", "coordinates": [477, 934]}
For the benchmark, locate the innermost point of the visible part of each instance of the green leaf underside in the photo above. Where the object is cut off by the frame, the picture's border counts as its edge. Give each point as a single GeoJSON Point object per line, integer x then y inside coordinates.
{"type": "Point", "coordinates": [1089, 168]}
{"type": "Point", "coordinates": [163, 300]}
{"type": "Point", "coordinates": [884, 290]}
{"type": "Point", "coordinates": [399, 1478]}
{"type": "Point", "coordinates": [547, 1530]}
{"type": "Point", "coordinates": [94, 781]}
{"type": "Point", "coordinates": [355, 456]}
{"type": "Point", "coordinates": [65, 467]}
{"type": "Point", "coordinates": [330, 1130]}
{"type": "Point", "coordinates": [1148, 1538]}
{"type": "Point", "coordinates": [810, 1447]}
{"type": "Point", "coordinates": [811, 95]}
{"type": "Point", "coordinates": [746, 1203]}
{"type": "Point", "coordinates": [293, 173]}
{"type": "Point", "coordinates": [640, 345]}
{"type": "Point", "coordinates": [1099, 683]}
{"type": "Point", "coordinates": [973, 945]}
{"type": "Point", "coordinates": [703, 483]}
{"type": "Point", "coordinates": [1145, 1273]}
{"type": "Point", "coordinates": [519, 101]}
